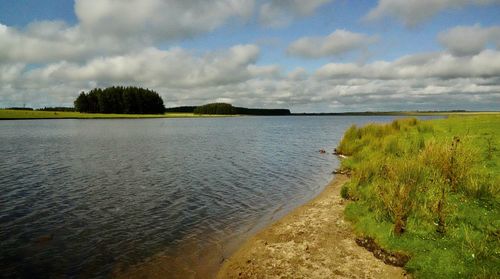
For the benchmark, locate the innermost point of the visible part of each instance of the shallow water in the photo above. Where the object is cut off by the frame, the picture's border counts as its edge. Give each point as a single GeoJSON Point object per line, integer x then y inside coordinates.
{"type": "Point", "coordinates": [83, 198]}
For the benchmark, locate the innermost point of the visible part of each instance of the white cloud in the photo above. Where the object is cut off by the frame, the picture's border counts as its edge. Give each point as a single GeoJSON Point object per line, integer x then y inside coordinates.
{"type": "Point", "coordinates": [40, 42]}
{"type": "Point", "coordinates": [10, 72]}
{"type": "Point", "coordinates": [266, 71]}
{"type": "Point", "coordinates": [108, 27]}
{"type": "Point", "coordinates": [434, 65]}
{"type": "Point", "coordinates": [115, 43]}
{"type": "Point", "coordinates": [469, 40]}
{"type": "Point", "coordinates": [171, 72]}
{"type": "Point", "coordinates": [298, 73]}
{"type": "Point", "coordinates": [153, 20]}
{"type": "Point", "coordinates": [154, 68]}
{"type": "Point", "coordinates": [413, 12]}
{"type": "Point", "coordinates": [338, 42]}
{"type": "Point", "coordinates": [421, 81]}
{"type": "Point", "coordinates": [279, 13]}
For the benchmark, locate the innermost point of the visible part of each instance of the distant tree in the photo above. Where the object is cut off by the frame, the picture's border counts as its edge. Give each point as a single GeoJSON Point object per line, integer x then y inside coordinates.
{"type": "Point", "coordinates": [182, 109]}
{"type": "Point", "coordinates": [120, 99]}
{"type": "Point", "coordinates": [19, 108]}
{"type": "Point", "coordinates": [215, 108]}
{"type": "Point", "coordinates": [81, 103]}
{"type": "Point", "coordinates": [223, 108]}
{"type": "Point", "coordinates": [69, 109]}
{"type": "Point", "coordinates": [259, 111]}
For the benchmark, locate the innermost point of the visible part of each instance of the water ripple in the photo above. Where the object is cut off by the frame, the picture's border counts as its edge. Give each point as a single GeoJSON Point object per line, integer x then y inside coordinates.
{"type": "Point", "coordinates": [79, 197]}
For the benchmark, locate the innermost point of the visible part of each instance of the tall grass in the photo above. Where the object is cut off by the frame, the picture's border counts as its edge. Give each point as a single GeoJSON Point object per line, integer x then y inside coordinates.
{"type": "Point", "coordinates": [415, 177]}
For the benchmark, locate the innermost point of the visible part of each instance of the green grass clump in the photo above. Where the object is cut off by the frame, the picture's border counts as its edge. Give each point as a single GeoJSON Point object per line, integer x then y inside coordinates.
{"type": "Point", "coordinates": [430, 189]}
{"type": "Point", "coordinates": [344, 191]}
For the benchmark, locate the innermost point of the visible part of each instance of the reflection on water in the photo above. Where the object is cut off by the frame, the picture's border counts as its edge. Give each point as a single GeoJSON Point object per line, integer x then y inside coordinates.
{"type": "Point", "coordinates": [86, 198]}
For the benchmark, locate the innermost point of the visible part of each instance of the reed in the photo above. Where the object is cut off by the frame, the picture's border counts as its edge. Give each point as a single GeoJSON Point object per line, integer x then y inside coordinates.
{"type": "Point", "coordinates": [430, 188]}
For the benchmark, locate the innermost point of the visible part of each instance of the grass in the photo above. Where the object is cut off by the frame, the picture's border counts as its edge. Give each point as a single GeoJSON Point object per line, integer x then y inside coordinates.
{"type": "Point", "coordinates": [443, 113]}
{"type": "Point", "coordinates": [33, 114]}
{"type": "Point", "coordinates": [430, 189]}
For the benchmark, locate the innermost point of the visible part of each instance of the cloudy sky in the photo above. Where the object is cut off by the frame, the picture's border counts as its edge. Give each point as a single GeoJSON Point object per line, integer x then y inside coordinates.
{"type": "Point", "coordinates": [310, 56]}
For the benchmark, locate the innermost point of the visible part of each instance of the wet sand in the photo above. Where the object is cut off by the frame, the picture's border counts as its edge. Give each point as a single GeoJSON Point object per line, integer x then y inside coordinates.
{"type": "Point", "coordinates": [313, 241]}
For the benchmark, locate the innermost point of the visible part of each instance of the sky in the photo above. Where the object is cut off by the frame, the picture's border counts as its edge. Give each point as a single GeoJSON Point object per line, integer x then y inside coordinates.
{"type": "Point", "coordinates": [309, 56]}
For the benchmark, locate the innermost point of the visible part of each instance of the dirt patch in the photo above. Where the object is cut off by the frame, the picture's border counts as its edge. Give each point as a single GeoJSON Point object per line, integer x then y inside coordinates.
{"type": "Point", "coordinates": [313, 241]}
{"type": "Point", "coordinates": [392, 258]}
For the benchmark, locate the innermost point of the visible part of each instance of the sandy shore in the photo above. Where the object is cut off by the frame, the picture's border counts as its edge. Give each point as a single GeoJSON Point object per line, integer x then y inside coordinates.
{"type": "Point", "coordinates": [313, 241]}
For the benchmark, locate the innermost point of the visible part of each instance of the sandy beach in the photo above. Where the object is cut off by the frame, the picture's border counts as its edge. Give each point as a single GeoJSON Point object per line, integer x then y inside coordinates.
{"type": "Point", "coordinates": [313, 241]}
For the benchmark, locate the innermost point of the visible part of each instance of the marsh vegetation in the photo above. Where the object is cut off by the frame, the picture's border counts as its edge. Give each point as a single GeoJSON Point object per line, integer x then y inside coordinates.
{"type": "Point", "coordinates": [430, 189]}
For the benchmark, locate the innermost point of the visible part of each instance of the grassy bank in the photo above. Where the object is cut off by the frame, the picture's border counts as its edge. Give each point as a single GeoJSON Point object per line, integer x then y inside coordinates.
{"type": "Point", "coordinates": [430, 189]}
{"type": "Point", "coordinates": [34, 114]}
{"type": "Point", "coordinates": [399, 113]}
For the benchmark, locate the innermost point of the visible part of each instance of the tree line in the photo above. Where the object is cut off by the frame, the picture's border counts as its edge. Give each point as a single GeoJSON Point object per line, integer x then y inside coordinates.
{"type": "Point", "coordinates": [66, 109]}
{"type": "Point", "coordinates": [224, 108]}
{"type": "Point", "coordinates": [122, 100]}
{"type": "Point", "coordinates": [215, 108]}
{"type": "Point", "coordinates": [181, 109]}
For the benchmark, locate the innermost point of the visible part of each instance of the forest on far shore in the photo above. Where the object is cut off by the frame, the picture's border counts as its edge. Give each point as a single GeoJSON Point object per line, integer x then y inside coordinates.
{"type": "Point", "coordinates": [122, 100]}
{"type": "Point", "coordinates": [135, 100]}
{"type": "Point", "coordinates": [224, 108]}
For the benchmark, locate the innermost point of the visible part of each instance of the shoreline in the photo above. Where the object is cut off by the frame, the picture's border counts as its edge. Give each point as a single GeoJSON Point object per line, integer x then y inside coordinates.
{"type": "Point", "coordinates": [6, 114]}
{"type": "Point", "coordinates": [51, 115]}
{"type": "Point", "coordinates": [312, 241]}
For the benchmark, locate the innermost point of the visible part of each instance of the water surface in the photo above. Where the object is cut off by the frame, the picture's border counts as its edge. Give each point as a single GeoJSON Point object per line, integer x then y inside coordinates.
{"type": "Point", "coordinates": [84, 198]}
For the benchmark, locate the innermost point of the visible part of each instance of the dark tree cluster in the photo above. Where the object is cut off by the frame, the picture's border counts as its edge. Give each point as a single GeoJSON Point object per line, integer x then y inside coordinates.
{"type": "Point", "coordinates": [68, 109]}
{"type": "Point", "coordinates": [182, 109]}
{"type": "Point", "coordinates": [259, 111]}
{"type": "Point", "coordinates": [19, 108]}
{"type": "Point", "coordinates": [215, 108]}
{"type": "Point", "coordinates": [223, 108]}
{"type": "Point", "coordinates": [129, 100]}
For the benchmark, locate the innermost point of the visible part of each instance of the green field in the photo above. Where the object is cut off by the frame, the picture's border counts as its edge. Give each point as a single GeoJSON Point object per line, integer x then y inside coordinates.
{"type": "Point", "coordinates": [429, 189]}
{"type": "Point", "coordinates": [34, 114]}
{"type": "Point", "coordinates": [400, 113]}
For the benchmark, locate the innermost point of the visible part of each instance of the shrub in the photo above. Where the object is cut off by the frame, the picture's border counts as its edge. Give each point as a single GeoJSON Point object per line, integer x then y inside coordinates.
{"type": "Point", "coordinates": [344, 191]}
{"type": "Point", "coordinates": [424, 128]}
{"type": "Point", "coordinates": [404, 175]}
{"type": "Point", "coordinates": [424, 177]}
{"type": "Point", "coordinates": [396, 188]}
{"type": "Point", "coordinates": [348, 144]}
{"type": "Point", "coordinates": [395, 125]}
{"type": "Point", "coordinates": [454, 161]}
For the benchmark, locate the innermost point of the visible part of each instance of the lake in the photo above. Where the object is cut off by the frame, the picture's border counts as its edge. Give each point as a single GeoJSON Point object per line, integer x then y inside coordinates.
{"type": "Point", "coordinates": [95, 198]}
